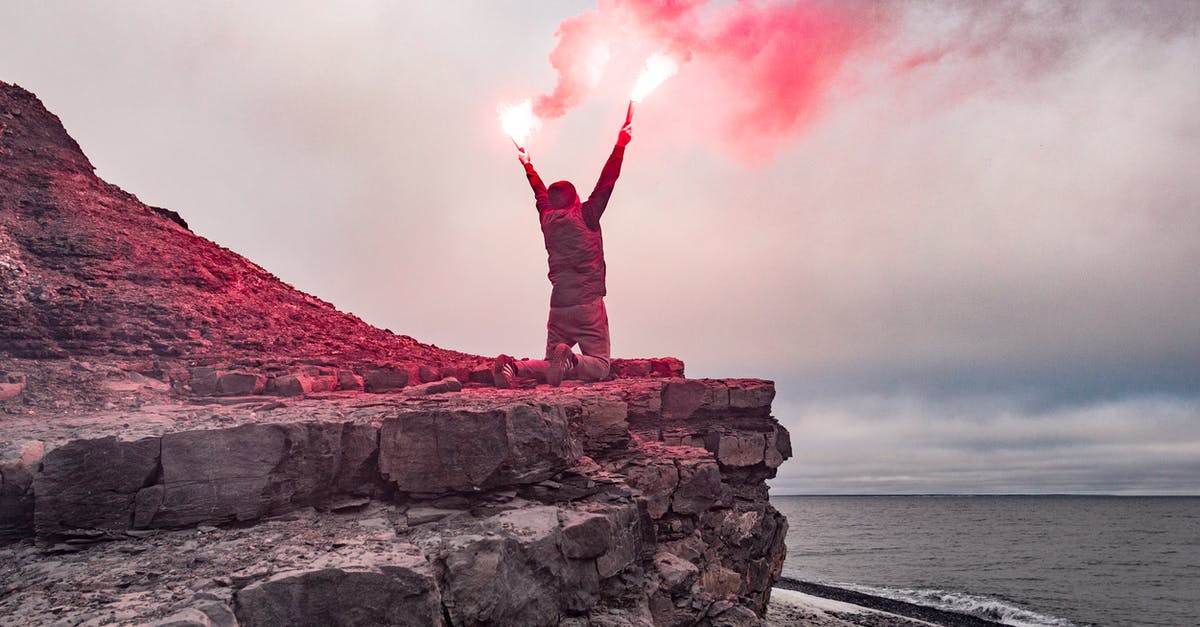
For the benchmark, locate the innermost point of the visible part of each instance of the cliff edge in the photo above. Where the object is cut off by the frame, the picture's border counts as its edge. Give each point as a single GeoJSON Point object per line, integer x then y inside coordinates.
{"type": "Point", "coordinates": [186, 440]}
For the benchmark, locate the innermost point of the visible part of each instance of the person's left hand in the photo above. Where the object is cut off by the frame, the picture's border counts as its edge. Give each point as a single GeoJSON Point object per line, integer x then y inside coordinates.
{"type": "Point", "coordinates": [523, 155]}
{"type": "Point", "coordinates": [625, 135]}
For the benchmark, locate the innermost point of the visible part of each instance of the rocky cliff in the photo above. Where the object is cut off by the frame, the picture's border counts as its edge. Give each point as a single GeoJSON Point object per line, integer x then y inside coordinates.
{"type": "Point", "coordinates": [185, 440]}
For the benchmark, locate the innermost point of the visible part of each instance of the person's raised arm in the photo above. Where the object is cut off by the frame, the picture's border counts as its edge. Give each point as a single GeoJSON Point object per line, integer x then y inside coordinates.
{"type": "Point", "coordinates": [594, 207]}
{"type": "Point", "coordinates": [542, 200]}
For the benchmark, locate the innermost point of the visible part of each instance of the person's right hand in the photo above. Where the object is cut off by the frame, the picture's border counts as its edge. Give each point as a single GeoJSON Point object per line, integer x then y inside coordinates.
{"type": "Point", "coordinates": [625, 135]}
{"type": "Point", "coordinates": [523, 155]}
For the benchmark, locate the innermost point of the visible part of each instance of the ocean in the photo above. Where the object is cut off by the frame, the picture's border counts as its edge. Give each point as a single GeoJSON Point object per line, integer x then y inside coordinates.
{"type": "Point", "coordinates": [1019, 560]}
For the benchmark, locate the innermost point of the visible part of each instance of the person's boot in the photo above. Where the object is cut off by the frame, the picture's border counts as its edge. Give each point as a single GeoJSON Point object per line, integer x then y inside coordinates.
{"type": "Point", "coordinates": [561, 360]}
{"type": "Point", "coordinates": [504, 371]}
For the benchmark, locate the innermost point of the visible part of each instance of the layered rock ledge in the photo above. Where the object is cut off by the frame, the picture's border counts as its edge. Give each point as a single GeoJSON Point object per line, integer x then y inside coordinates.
{"type": "Point", "coordinates": [187, 440]}
{"type": "Point", "coordinates": [636, 502]}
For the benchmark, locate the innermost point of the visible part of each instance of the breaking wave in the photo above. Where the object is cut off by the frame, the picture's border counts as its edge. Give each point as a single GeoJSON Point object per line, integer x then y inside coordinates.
{"type": "Point", "coordinates": [984, 607]}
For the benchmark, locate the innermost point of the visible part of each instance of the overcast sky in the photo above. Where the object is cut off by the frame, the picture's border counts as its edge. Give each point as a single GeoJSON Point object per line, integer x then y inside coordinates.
{"type": "Point", "coordinates": [980, 273]}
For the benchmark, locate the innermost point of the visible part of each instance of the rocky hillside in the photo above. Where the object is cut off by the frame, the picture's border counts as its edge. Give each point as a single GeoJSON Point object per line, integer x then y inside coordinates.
{"type": "Point", "coordinates": [90, 274]}
{"type": "Point", "coordinates": [187, 441]}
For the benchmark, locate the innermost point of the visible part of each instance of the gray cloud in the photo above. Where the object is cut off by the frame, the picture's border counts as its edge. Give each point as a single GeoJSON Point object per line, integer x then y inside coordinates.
{"type": "Point", "coordinates": [1016, 250]}
{"type": "Point", "coordinates": [914, 445]}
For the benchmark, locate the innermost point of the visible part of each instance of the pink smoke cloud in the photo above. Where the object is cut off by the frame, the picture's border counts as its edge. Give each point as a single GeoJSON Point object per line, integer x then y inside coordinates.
{"type": "Point", "coordinates": [783, 61]}
{"type": "Point", "coordinates": [779, 58]}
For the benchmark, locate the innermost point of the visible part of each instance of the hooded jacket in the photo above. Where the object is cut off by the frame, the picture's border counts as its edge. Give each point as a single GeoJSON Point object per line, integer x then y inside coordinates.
{"type": "Point", "coordinates": [574, 244]}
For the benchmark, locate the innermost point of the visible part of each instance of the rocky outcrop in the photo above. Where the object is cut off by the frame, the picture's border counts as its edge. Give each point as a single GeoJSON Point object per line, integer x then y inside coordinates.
{"type": "Point", "coordinates": [186, 440]}
{"type": "Point", "coordinates": [633, 502]}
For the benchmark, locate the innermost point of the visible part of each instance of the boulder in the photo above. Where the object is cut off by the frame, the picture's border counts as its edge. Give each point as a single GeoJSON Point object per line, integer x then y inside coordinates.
{"type": "Point", "coordinates": [247, 472]}
{"type": "Point", "coordinates": [302, 384]}
{"type": "Point", "coordinates": [385, 379]}
{"type": "Point", "coordinates": [395, 586]}
{"type": "Point", "coordinates": [289, 385]}
{"type": "Point", "coordinates": [441, 451]}
{"type": "Point", "coordinates": [92, 484]}
{"type": "Point", "coordinates": [348, 381]}
{"type": "Point", "coordinates": [203, 381]}
{"type": "Point", "coordinates": [240, 384]}
{"type": "Point", "coordinates": [449, 384]}
{"type": "Point", "coordinates": [213, 476]}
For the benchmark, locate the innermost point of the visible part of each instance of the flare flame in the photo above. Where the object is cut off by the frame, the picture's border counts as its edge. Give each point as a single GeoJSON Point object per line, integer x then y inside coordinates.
{"type": "Point", "coordinates": [519, 121]}
{"type": "Point", "coordinates": [659, 67]}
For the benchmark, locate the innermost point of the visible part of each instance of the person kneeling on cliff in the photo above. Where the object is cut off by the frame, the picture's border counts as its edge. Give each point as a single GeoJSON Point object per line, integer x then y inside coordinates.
{"type": "Point", "coordinates": [575, 251]}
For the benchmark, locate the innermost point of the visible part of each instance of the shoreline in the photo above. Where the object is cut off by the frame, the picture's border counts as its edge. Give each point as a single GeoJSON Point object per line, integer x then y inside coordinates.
{"type": "Point", "coordinates": [842, 607]}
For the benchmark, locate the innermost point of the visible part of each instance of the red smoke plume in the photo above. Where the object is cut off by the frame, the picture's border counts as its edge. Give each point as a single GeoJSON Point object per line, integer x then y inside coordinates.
{"type": "Point", "coordinates": [779, 58]}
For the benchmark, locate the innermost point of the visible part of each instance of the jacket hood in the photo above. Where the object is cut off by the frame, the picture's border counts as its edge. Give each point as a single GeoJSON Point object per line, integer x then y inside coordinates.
{"type": "Point", "coordinates": [562, 195]}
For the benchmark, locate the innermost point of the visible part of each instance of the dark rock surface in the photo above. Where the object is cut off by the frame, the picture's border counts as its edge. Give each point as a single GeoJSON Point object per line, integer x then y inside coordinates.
{"type": "Point", "coordinates": [186, 440]}
{"type": "Point", "coordinates": [511, 506]}
{"type": "Point", "coordinates": [464, 450]}
{"type": "Point", "coordinates": [393, 586]}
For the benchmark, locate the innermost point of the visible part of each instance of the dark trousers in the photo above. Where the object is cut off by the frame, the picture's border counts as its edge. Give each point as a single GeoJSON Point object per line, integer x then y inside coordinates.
{"type": "Point", "coordinates": [585, 325]}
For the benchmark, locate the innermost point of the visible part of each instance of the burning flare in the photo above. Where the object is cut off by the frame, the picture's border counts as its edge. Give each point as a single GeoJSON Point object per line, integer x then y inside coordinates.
{"type": "Point", "coordinates": [519, 121]}
{"type": "Point", "coordinates": [659, 67]}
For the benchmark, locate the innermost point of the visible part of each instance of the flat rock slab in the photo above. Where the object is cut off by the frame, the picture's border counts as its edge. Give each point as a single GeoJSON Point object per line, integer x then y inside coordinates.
{"type": "Point", "coordinates": [172, 466]}
{"type": "Point", "coordinates": [641, 396]}
{"type": "Point", "coordinates": [311, 568]}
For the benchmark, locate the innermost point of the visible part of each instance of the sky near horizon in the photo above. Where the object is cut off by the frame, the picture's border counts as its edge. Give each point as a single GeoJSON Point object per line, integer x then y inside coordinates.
{"type": "Point", "coordinates": [969, 257]}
